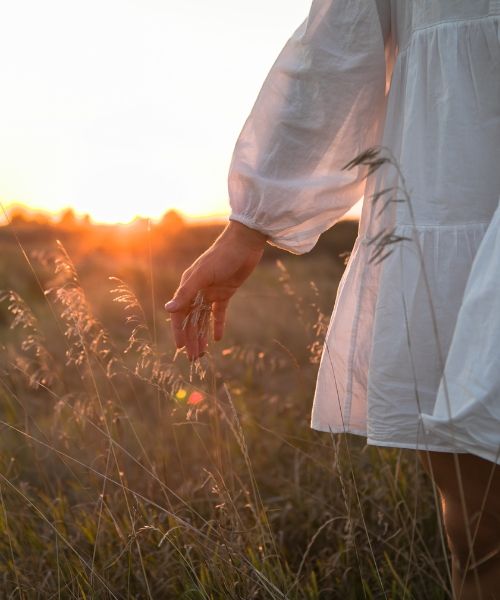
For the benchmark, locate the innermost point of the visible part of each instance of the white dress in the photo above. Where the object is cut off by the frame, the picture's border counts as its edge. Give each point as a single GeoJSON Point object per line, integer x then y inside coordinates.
{"type": "Point", "coordinates": [421, 79]}
{"type": "Point", "coordinates": [467, 409]}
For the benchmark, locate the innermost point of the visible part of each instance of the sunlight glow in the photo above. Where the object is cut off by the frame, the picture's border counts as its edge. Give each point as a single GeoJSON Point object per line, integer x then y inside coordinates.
{"type": "Point", "coordinates": [128, 107]}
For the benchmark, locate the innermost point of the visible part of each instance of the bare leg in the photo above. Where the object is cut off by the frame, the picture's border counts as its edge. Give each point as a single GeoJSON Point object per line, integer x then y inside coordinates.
{"type": "Point", "coordinates": [470, 495]}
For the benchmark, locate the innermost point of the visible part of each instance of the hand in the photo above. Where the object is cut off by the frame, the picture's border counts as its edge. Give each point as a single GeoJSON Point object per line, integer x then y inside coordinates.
{"type": "Point", "coordinates": [217, 273]}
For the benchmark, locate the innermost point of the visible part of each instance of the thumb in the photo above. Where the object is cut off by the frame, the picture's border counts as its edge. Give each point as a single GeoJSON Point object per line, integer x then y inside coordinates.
{"type": "Point", "coordinates": [182, 298]}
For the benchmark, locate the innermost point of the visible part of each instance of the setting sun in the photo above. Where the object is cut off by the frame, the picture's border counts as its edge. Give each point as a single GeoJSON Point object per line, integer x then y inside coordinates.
{"type": "Point", "coordinates": [119, 109]}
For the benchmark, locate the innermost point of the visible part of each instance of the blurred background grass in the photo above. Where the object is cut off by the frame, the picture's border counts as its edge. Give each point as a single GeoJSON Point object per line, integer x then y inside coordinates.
{"type": "Point", "coordinates": [126, 473]}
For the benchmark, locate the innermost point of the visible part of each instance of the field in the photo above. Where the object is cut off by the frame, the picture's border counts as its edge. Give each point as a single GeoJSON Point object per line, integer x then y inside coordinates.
{"type": "Point", "coordinates": [126, 472]}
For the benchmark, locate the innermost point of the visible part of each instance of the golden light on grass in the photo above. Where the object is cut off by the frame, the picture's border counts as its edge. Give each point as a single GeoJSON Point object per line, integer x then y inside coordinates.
{"type": "Point", "coordinates": [125, 471]}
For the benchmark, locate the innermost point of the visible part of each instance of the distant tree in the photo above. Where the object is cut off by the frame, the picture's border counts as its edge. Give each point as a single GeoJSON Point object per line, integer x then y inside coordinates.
{"type": "Point", "coordinates": [18, 216]}
{"type": "Point", "coordinates": [67, 218]}
{"type": "Point", "coordinates": [41, 218]}
{"type": "Point", "coordinates": [140, 223]}
{"type": "Point", "coordinates": [172, 221]}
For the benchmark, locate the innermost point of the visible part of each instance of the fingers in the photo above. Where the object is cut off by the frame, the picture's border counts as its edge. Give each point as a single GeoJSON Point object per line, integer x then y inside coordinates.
{"type": "Point", "coordinates": [181, 300]}
{"type": "Point", "coordinates": [219, 313]}
{"type": "Point", "coordinates": [186, 292]}
{"type": "Point", "coordinates": [187, 335]}
{"type": "Point", "coordinates": [192, 341]}
{"type": "Point", "coordinates": [202, 344]}
{"type": "Point", "coordinates": [179, 307]}
{"type": "Point", "coordinates": [177, 321]}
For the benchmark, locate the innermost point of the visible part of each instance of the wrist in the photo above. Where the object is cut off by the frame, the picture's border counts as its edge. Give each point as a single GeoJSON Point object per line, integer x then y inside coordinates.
{"type": "Point", "coordinates": [252, 238]}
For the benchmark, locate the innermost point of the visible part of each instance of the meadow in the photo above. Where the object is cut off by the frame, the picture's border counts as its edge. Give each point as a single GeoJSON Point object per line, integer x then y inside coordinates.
{"type": "Point", "coordinates": [127, 472]}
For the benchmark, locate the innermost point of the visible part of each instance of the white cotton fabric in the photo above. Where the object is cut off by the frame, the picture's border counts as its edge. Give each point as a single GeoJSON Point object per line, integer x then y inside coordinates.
{"type": "Point", "coordinates": [467, 410]}
{"type": "Point", "coordinates": [422, 79]}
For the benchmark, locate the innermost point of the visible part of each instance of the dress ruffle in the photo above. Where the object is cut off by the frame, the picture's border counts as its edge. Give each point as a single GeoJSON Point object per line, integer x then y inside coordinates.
{"type": "Point", "coordinates": [467, 409]}
{"type": "Point", "coordinates": [385, 351]}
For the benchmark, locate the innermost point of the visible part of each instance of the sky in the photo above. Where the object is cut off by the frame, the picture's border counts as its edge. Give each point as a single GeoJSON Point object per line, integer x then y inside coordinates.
{"type": "Point", "coordinates": [120, 108]}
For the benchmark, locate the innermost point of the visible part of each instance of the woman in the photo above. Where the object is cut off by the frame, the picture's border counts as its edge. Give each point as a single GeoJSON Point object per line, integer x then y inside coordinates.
{"type": "Point", "coordinates": [422, 80]}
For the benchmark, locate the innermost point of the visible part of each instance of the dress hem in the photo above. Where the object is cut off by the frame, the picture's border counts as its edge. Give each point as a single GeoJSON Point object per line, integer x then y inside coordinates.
{"type": "Point", "coordinates": [390, 444]}
{"type": "Point", "coordinates": [431, 424]}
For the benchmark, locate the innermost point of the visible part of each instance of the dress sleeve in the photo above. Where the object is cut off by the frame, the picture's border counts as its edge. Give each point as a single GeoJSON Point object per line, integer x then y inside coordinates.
{"type": "Point", "coordinates": [321, 104]}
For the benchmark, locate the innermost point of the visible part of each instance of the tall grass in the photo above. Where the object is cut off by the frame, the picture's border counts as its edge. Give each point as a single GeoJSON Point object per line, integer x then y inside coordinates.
{"type": "Point", "coordinates": [125, 473]}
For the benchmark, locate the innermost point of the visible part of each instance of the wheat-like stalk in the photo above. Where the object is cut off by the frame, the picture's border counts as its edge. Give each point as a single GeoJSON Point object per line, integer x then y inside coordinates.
{"type": "Point", "coordinates": [151, 365]}
{"type": "Point", "coordinates": [199, 315]}
{"type": "Point", "coordinates": [85, 334]}
{"type": "Point", "coordinates": [37, 363]}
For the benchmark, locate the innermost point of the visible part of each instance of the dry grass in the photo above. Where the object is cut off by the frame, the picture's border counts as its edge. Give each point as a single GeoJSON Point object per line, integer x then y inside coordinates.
{"type": "Point", "coordinates": [126, 475]}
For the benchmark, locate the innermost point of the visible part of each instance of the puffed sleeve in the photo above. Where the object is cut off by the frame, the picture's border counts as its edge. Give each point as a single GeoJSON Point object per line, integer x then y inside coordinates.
{"type": "Point", "coordinates": [321, 104]}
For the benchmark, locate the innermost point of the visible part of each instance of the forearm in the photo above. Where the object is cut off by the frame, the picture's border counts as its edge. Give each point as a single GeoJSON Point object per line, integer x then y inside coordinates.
{"type": "Point", "coordinates": [246, 236]}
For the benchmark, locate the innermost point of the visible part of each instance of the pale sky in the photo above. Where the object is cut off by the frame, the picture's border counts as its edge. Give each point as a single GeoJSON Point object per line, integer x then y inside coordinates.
{"type": "Point", "coordinates": [126, 107]}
